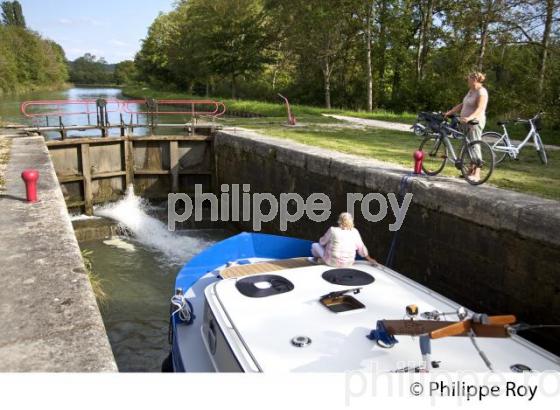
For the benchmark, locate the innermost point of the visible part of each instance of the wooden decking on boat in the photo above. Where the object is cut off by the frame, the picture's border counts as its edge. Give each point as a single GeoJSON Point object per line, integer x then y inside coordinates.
{"type": "Point", "coordinates": [238, 271]}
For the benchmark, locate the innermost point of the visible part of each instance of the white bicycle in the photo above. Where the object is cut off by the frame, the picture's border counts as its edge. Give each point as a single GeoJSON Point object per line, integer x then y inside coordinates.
{"type": "Point", "coordinates": [502, 146]}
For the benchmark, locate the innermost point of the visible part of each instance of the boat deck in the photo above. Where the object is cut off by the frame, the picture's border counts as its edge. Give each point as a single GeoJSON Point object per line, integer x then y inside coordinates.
{"type": "Point", "coordinates": [238, 271]}
{"type": "Point", "coordinates": [261, 329]}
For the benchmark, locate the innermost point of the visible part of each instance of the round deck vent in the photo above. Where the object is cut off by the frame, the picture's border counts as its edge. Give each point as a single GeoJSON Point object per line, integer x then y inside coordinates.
{"type": "Point", "coordinates": [520, 368]}
{"type": "Point", "coordinates": [301, 341]}
{"type": "Point", "coordinates": [348, 277]}
{"type": "Point", "coordinates": [263, 285]}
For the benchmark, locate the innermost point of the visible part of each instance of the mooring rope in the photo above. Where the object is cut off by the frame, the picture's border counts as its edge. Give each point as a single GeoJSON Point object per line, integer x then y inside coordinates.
{"type": "Point", "coordinates": [403, 186]}
{"type": "Point", "coordinates": [184, 310]}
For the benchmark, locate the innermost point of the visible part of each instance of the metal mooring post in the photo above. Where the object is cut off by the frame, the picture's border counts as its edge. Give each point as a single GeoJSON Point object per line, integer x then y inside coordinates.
{"type": "Point", "coordinates": [102, 118]}
{"type": "Point", "coordinates": [152, 106]}
{"type": "Point", "coordinates": [62, 130]}
{"type": "Point", "coordinates": [122, 126]}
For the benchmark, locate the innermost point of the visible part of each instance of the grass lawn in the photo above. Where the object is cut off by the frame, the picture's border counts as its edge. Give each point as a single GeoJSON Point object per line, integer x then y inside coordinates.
{"type": "Point", "coordinates": [272, 109]}
{"type": "Point", "coordinates": [526, 175]}
{"type": "Point", "coordinates": [308, 113]}
{"type": "Point", "coordinates": [4, 158]}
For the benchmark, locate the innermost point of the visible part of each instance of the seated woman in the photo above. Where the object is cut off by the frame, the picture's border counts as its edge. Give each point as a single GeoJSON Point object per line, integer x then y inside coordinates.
{"type": "Point", "coordinates": [339, 245]}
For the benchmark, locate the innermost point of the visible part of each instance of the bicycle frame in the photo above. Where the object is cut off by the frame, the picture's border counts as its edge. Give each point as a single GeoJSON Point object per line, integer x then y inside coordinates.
{"type": "Point", "coordinates": [452, 156]}
{"type": "Point", "coordinates": [511, 149]}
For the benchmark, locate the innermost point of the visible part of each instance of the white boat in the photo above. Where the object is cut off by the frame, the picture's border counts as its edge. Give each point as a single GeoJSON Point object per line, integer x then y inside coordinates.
{"type": "Point", "coordinates": [256, 303]}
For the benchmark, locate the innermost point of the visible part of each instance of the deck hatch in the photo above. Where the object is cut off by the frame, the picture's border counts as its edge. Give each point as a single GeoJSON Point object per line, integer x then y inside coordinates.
{"type": "Point", "coordinates": [339, 302]}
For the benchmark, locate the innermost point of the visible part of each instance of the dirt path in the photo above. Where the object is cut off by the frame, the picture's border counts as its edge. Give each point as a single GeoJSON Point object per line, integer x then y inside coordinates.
{"type": "Point", "coordinates": [397, 126]}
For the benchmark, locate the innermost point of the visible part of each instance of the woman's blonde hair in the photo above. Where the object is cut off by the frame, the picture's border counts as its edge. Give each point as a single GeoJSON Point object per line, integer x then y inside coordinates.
{"type": "Point", "coordinates": [477, 75]}
{"type": "Point", "coordinates": [346, 220]}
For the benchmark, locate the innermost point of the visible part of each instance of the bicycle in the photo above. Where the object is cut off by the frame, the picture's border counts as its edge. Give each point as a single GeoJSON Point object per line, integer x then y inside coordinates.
{"type": "Point", "coordinates": [501, 143]}
{"type": "Point", "coordinates": [438, 149]}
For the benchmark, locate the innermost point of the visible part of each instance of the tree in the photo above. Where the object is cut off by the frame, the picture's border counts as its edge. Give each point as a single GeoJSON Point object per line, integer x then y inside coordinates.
{"type": "Point", "coordinates": [125, 72]}
{"type": "Point", "coordinates": [545, 42]}
{"type": "Point", "coordinates": [29, 62]}
{"type": "Point", "coordinates": [318, 32]}
{"type": "Point", "coordinates": [394, 54]}
{"type": "Point", "coordinates": [12, 14]}
{"type": "Point", "coordinates": [153, 58]}
{"type": "Point", "coordinates": [89, 69]}
{"type": "Point", "coordinates": [426, 16]}
{"type": "Point", "coordinates": [230, 35]}
{"type": "Point", "coordinates": [370, 15]}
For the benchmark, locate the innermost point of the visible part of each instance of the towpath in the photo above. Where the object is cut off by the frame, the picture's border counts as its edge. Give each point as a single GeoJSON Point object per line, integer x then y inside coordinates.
{"type": "Point", "coordinates": [397, 126]}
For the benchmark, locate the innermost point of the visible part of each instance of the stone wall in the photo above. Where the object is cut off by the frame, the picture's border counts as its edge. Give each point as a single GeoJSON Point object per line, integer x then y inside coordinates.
{"type": "Point", "coordinates": [489, 249]}
{"type": "Point", "coordinates": [48, 313]}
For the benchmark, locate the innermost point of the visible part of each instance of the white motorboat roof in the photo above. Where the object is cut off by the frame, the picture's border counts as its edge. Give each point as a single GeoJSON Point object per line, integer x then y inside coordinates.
{"type": "Point", "coordinates": [264, 327]}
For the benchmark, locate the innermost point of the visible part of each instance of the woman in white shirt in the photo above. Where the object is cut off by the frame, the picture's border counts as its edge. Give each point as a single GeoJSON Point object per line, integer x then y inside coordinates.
{"type": "Point", "coordinates": [338, 246]}
{"type": "Point", "coordinates": [473, 107]}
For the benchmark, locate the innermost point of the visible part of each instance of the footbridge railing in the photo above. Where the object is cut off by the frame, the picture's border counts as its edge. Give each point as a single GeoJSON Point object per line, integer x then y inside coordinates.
{"type": "Point", "coordinates": [126, 115]}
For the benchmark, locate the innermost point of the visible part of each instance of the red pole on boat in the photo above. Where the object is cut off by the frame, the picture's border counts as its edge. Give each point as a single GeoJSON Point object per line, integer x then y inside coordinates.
{"type": "Point", "coordinates": [30, 177]}
{"type": "Point", "coordinates": [418, 157]}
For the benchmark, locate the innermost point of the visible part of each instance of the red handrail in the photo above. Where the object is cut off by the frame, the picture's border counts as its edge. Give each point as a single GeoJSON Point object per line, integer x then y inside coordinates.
{"type": "Point", "coordinates": [58, 110]}
{"type": "Point", "coordinates": [192, 107]}
{"type": "Point", "coordinates": [219, 107]}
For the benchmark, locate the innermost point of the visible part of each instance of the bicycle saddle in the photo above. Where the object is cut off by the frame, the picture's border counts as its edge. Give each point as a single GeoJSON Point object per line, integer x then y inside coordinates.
{"type": "Point", "coordinates": [502, 122]}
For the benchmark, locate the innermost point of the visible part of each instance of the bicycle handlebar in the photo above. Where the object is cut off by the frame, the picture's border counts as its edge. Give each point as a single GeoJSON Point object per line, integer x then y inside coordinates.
{"type": "Point", "coordinates": [522, 121]}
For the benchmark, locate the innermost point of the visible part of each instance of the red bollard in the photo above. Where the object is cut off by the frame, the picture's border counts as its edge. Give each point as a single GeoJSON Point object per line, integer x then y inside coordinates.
{"type": "Point", "coordinates": [418, 157]}
{"type": "Point", "coordinates": [31, 176]}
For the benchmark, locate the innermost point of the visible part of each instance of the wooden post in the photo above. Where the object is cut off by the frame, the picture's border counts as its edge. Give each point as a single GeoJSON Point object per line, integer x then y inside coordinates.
{"type": "Point", "coordinates": [86, 172]}
{"type": "Point", "coordinates": [128, 161]}
{"type": "Point", "coordinates": [174, 165]}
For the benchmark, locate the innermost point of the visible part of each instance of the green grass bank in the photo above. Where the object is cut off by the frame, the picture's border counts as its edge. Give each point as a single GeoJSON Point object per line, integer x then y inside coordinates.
{"type": "Point", "coordinates": [526, 175]}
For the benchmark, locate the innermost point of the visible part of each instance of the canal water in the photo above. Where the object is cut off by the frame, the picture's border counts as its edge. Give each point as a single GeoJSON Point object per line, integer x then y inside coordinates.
{"type": "Point", "coordinates": [73, 113]}
{"type": "Point", "coordinates": [137, 271]}
{"type": "Point", "coordinates": [138, 281]}
{"type": "Point", "coordinates": [137, 274]}
{"type": "Point", "coordinates": [10, 109]}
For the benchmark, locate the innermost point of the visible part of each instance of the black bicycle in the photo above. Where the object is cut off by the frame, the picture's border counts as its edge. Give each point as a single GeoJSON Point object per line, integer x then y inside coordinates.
{"type": "Point", "coordinates": [438, 131]}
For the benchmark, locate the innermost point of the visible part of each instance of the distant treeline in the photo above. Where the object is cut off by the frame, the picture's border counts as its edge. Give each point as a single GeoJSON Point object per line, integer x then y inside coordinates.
{"type": "Point", "coordinates": [394, 54]}
{"type": "Point", "coordinates": [89, 69]}
{"type": "Point", "coordinates": [27, 61]}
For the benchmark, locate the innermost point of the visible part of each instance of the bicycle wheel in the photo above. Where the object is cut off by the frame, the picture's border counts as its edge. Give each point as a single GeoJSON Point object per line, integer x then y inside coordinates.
{"type": "Point", "coordinates": [477, 155]}
{"type": "Point", "coordinates": [496, 140]}
{"type": "Point", "coordinates": [540, 149]}
{"type": "Point", "coordinates": [435, 155]}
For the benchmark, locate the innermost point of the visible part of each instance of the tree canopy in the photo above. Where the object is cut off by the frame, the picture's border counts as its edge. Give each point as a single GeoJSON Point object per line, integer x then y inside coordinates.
{"type": "Point", "coordinates": [90, 69]}
{"type": "Point", "coordinates": [27, 61]}
{"type": "Point", "coordinates": [395, 54]}
{"type": "Point", "coordinates": [12, 14]}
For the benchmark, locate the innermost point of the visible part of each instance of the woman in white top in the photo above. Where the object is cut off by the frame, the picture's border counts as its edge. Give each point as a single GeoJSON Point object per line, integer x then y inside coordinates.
{"type": "Point", "coordinates": [338, 246]}
{"type": "Point", "coordinates": [473, 107]}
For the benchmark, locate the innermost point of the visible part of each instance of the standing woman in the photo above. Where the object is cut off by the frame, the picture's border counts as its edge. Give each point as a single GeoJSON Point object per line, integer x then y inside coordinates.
{"type": "Point", "coordinates": [473, 107]}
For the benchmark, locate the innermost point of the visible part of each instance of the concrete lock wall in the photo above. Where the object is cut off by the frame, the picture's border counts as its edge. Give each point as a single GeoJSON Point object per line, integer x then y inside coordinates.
{"type": "Point", "coordinates": [489, 249]}
{"type": "Point", "coordinates": [49, 317]}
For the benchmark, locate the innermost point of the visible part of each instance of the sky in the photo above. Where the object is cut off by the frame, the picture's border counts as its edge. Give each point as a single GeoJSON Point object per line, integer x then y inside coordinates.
{"type": "Point", "coordinates": [109, 29]}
